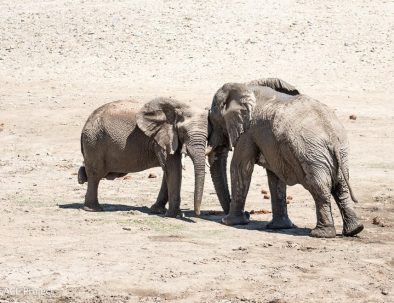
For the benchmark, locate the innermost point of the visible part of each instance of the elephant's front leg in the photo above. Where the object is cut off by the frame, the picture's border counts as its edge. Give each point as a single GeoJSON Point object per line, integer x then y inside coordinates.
{"type": "Point", "coordinates": [280, 218]}
{"type": "Point", "coordinates": [173, 172]}
{"type": "Point", "coordinates": [159, 207]}
{"type": "Point", "coordinates": [241, 170]}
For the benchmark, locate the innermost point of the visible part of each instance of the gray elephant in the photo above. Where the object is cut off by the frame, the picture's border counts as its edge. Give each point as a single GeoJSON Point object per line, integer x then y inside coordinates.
{"type": "Point", "coordinates": [297, 139]}
{"type": "Point", "coordinates": [117, 139]}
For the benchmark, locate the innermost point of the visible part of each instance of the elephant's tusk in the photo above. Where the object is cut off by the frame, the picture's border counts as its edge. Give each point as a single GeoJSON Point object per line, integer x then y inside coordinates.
{"type": "Point", "coordinates": [207, 163]}
{"type": "Point", "coordinates": [208, 150]}
{"type": "Point", "coordinates": [183, 156]}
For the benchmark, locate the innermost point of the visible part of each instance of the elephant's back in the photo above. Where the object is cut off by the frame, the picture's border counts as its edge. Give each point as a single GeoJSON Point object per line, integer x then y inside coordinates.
{"type": "Point", "coordinates": [305, 121]}
{"type": "Point", "coordinates": [303, 131]}
{"type": "Point", "coordinates": [113, 121]}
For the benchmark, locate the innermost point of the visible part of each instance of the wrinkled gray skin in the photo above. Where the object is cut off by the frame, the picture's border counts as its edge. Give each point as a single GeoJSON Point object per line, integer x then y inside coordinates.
{"type": "Point", "coordinates": [117, 140]}
{"type": "Point", "coordinates": [297, 139]}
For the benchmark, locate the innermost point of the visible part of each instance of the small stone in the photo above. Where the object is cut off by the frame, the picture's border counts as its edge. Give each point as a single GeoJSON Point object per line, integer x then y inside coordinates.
{"type": "Point", "coordinates": [152, 176]}
{"type": "Point", "coordinates": [353, 117]}
{"type": "Point", "coordinates": [384, 292]}
{"type": "Point", "coordinates": [127, 178]}
{"type": "Point", "coordinates": [289, 198]}
{"type": "Point", "coordinates": [378, 221]}
{"type": "Point", "coordinates": [266, 197]}
{"type": "Point", "coordinates": [263, 191]}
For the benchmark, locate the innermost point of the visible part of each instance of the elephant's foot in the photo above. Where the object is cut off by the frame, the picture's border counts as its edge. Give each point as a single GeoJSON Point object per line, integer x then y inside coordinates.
{"type": "Point", "coordinates": [93, 207]}
{"type": "Point", "coordinates": [158, 208]}
{"type": "Point", "coordinates": [352, 228]}
{"type": "Point", "coordinates": [323, 231]}
{"type": "Point", "coordinates": [280, 223]}
{"type": "Point", "coordinates": [236, 219]}
{"type": "Point", "coordinates": [174, 213]}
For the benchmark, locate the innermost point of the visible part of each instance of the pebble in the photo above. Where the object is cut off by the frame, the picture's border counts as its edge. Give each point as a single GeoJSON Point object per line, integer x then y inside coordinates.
{"type": "Point", "coordinates": [378, 221]}
{"type": "Point", "coordinates": [152, 176]}
{"type": "Point", "coordinates": [353, 117]}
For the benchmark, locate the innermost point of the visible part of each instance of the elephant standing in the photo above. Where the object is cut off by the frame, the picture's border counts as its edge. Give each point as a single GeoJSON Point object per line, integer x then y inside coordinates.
{"type": "Point", "coordinates": [117, 140]}
{"type": "Point", "coordinates": [297, 139]}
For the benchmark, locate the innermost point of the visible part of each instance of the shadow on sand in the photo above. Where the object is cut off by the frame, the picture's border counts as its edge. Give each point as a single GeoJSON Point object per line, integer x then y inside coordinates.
{"type": "Point", "coordinates": [208, 215]}
{"type": "Point", "coordinates": [121, 207]}
{"type": "Point", "coordinates": [216, 216]}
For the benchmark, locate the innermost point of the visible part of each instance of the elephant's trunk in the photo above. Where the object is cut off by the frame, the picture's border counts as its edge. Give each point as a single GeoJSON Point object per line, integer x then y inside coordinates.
{"type": "Point", "coordinates": [196, 151]}
{"type": "Point", "coordinates": [218, 165]}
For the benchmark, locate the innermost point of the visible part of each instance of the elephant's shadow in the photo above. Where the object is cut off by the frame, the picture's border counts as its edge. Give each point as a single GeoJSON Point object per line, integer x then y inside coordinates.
{"type": "Point", "coordinates": [216, 216]}
{"type": "Point", "coordinates": [107, 207]}
{"type": "Point", "coordinates": [122, 207]}
{"type": "Point", "coordinates": [208, 215]}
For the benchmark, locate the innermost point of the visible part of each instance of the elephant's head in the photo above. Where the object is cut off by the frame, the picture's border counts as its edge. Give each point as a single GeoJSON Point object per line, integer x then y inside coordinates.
{"type": "Point", "coordinates": [230, 115]}
{"type": "Point", "coordinates": [174, 126]}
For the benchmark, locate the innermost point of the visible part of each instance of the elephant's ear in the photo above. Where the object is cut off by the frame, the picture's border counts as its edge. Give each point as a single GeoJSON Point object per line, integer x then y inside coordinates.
{"type": "Point", "coordinates": [276, 84]}
{"type": "Point", "coordinates": [236, 103]}
{"type": "Point", "coordinates": [158, 119]}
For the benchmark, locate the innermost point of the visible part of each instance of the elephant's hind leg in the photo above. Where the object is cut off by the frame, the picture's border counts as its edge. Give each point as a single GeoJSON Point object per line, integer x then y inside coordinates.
{"type": "Point", "coordinates": [351, 225]}
{"type": "Point", "coordinates": [325, 224]}
{"type": "Point", "coordinates": [91, 200]}
{"type": "Point", "coordinates": [280, 218]}
{"type": "Point", "coordinates": [91, 197]}
{"type": "Point", "coordinates": [159, 207]}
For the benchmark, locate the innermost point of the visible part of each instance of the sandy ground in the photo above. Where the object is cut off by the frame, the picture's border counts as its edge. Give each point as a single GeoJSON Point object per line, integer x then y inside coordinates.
{"type": "Point", "coordinates": [59, 60]}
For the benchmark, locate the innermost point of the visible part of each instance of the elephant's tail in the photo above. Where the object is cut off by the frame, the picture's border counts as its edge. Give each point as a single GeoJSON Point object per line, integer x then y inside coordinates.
{"type": "Point", "coordinates": [82, 177]}
{"type": "Point", "coordinates": [81, 145]}
{"type": "Point", "coordinates": [344, 174]}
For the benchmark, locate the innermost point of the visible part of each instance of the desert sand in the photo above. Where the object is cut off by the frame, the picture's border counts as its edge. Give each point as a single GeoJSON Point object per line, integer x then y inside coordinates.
{"type": "Point", "coordinates": [59, 60]}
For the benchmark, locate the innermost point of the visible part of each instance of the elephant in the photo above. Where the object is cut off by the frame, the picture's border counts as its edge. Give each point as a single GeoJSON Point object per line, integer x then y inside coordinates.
{"type": "Point", "coordinates": [297, 139]}
{"type": "Point", "coordinates": [117, 140]}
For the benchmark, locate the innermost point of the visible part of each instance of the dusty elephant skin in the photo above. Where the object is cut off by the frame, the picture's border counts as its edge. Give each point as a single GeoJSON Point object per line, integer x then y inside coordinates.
{"type": "Point", "coordinates": [117, 140]}
{"type": "Point", "coordinates": [297, 139]}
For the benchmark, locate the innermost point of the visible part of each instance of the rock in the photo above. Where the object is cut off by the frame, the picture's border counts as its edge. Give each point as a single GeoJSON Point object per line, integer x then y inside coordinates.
{"type": "Point", "coordinates": [266, 196]}
{"type": "Point", "coordinates": [127, 178]}
{"type": "Point", "coordinates": [378, 221]}
{"type": "Point", "coordinates": [152, 176]}
{"type": "Point", "coordinates": [353, 117]}
{"type": "Point", "coordinates": [384, 292]}
{"type": "Point", "coordinates": [289, 198]}
{"type": "Point", "coordinates": [263, 191]}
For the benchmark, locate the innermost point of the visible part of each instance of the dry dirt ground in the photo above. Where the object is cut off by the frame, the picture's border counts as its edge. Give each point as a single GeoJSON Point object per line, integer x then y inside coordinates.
{"type": "Point", "coordinates": [59, 60]}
